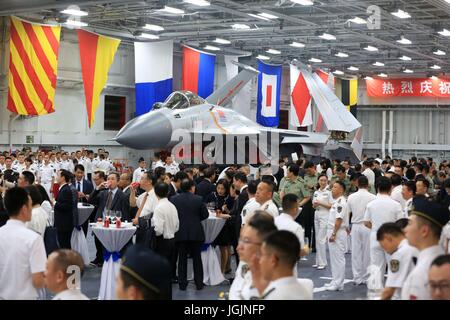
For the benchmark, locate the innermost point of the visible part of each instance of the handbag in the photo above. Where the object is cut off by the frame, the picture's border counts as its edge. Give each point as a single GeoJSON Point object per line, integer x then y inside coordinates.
{"type": "Point", "coordinates": [50, 238]}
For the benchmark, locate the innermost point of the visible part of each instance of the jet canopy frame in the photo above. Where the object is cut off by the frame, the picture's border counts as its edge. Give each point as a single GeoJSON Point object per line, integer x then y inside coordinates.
{"type": "Point", "coordinates": [180, 100]}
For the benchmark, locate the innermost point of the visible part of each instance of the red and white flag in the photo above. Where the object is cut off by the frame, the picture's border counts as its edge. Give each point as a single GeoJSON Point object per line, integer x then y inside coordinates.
{"type": "Point", "coordinates": [301, 114]}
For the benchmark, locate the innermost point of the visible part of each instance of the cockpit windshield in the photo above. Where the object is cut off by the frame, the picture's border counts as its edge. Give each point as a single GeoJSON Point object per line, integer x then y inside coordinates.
{"type": "Point", "coordinates": [180, 100]}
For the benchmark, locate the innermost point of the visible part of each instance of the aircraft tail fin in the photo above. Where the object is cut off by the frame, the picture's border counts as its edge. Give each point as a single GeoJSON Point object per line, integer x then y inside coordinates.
{"type": "Point", "coordinates": [224, 94]}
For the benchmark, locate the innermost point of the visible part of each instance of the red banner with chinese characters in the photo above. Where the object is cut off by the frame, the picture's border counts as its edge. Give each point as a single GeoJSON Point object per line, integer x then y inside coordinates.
{"type": "Point", "coordinates": [409, 87]}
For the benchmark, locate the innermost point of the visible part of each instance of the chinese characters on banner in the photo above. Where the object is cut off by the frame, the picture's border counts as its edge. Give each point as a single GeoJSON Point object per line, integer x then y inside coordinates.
{"type": "Point", "coordinates": [420, 87]}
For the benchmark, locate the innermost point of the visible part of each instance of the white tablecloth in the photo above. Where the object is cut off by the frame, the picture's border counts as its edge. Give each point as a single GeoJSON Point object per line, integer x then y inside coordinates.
{"type": "Point", "coordinates": [113, 239]}
{"type": "Point", "coordinates": [212, 275]}
{"type": "Point", "coordinates": [78, 239]}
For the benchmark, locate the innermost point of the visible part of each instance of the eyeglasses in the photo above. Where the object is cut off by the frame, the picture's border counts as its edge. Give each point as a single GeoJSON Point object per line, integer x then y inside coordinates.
{"type": "Point", "coordinates": [443, 287]}
{"type": "Point", "coordinates": [246, 241]}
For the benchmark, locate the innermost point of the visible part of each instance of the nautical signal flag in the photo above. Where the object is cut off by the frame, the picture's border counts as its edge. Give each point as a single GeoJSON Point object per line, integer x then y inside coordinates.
{"type": "Point", "coordinates": [300, 114]}
{"type": "Point", "coordinates": [347, 91]}
{"type": "Point", "coordinates": [33, 66]}
{"type": "Point", "coordinates": [198, 71]}
{"type": "Point", "coordinates": [268, 100]}
{"type": "Point", "coordinates": [153, 65]}
{"type": "Point", "coordinates": [96, 54]}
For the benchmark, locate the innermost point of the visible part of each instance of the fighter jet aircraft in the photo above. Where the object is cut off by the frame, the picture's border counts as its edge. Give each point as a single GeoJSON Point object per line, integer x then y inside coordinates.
{"type": "Point", "coordinates": [186, 112]}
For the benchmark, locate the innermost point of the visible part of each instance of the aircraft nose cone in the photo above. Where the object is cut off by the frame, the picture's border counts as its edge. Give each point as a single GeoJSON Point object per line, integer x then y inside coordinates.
{"type": "Point", "coordinates": [149, 131]}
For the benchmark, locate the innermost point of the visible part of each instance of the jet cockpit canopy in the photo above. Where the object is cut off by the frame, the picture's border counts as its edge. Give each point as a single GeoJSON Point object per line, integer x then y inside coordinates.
{"type": "Point", "coordinates": [180, 100]}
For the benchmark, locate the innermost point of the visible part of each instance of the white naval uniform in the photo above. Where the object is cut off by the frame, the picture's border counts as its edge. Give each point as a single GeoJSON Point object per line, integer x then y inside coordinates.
{"type": "Point", "coordinates": [70, 294]}
{"type": "Point", "coordinates": [400, 265]}
{"type": "Point", "coordinates": [88, 168]}
{"type": "Point", "coordinates": [287, 288]}
{"type": "Point", "coordinates": [137, 174]}
{"type": "Point", "coordinates": [22, 253]}
{"type": "Point", "coordinates": [47, 174]}
{"type": "Point", "coordinates": [287, 222]}
{"type": "Point", "coordinates": [270, 208]}
{"type": "Point", "coordinates": [379, 211]}
{"type": "Point", "coordinates": [415, 286]}
{"type": "Point", "coordinates": [356, 204]}
{"type": "Point", "coordinates": [157, 164]}
{"type": "Point", "coordinates": [172, 168]}
{"type": "Point", "coordinates": [370, 176]}
{"type": "Point", "coordinates": [320, 225]}
{"type": "Point", "coordinates": [56, 165]}
{"type": "Point", "coordinates": [337, 248]}
{"type": "Point", "coordinates": [249, 210]}
{"type": "Point", "coordinates": [445, 238]}
{"type": "Point", "coordinates": [396, 194]}
{"type": "Point", "coordinates": [408, 204]}
{"type": "Point", "coordinates": [105, 166]}
{"type": "Point", "coordinates": [66, 165]}
{"type": "Point", "coordinates": [241, 288]}
{"type": "Point", "coordinates": [19, 167]}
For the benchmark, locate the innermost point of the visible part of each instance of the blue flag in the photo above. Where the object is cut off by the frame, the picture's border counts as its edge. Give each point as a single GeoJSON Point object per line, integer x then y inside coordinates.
{"type": "Point", "coordinates": [269, 89]}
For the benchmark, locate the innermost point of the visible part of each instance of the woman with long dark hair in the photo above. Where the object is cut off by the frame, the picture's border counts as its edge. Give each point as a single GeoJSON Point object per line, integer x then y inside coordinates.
{"type": "Point", "coordinates": [223, 204]}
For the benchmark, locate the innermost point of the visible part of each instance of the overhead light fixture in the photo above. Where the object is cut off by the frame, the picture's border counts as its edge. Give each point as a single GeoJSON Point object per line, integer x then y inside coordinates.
{"type": "Point", "coordinates": [257, 16]}
{"type": "Point", "coordinates": [76, 23]}
{"type": "Point", "coordinates": [341, 55]}
{"type": "Point", "coordinates": [408, 71]}
{"type": "Point", "coordinates": [153, 27]}
{"type": "Point", "coordinates": [75, 12]}
{"type": "Point", "coordinates": [405, 58]}
{"type": "Point", "coordinates": [445, 33]}
{"type": "Point", "coordinates": [368, 78]}
{"type": "Point", "coordinates": [383, 75]}
{"type": "Point", "coordinates": [439, 52]}
{"type": "Point", "coordinates": [172, 10]}
{"type": "Point", "coordinates": [297, 44]}
{"type": "Point", "coordinates": [435, 67]}
{"type": "Point", "coordinates": [371, 48]}
{"type": "Point", "coordinates": [401, 14]}
{"type": "Point", "coordinates": [149, 36]}
{"type": "Point", "coordinates": [200, 3]}
{"type": "Point", "coordinates": [315, 60]}
{"type": "Point", "coordinates": [378, 64]}
{"type": "Point", "coordinates": [303, 2]}
{"type": "Point", "coordinates": [338, 72]}
{"type": "Point", "coordinates": [267, 15]}
{"type": "Point", "coordinates": [358, 20]}
{"type": "Point", "coordinates": [240, 26]}
{"type": "Point", "coordinates": [222, 41]}
{"type": "Point", "coordinates": [327, 36]}
{"type": "Point", "coordinates": [273, 51]}
{"type": "Point", "coordinates": [261, 57]}
{"type": "Point", "coordinates": [211, 48]}
{"type": "Point", "coordinates": [352, 68]}
{"type": "Point", "coordinates": [403, 40]}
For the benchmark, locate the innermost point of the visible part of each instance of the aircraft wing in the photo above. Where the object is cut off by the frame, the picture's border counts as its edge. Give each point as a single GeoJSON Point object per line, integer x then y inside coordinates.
{"type": "Point", "coordinates": [334, 113]}
{"type": "Point", "coordinates": [223, 95]}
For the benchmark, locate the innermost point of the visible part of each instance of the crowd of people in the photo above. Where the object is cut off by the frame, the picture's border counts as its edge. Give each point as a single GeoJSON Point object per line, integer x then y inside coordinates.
{"type": "Point", "coordinates": [391, 214]}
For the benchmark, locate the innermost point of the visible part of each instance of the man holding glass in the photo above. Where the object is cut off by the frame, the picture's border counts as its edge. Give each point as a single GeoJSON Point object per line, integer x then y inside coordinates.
{"type": "Point", "coordinates": [113, 199]}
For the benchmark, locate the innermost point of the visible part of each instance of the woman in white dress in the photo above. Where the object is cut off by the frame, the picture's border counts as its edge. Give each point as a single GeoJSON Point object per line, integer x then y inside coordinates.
{"type": "Point", "coordinates": [322, 201]}
{"type": "Point", "coordinates": [39, 217]}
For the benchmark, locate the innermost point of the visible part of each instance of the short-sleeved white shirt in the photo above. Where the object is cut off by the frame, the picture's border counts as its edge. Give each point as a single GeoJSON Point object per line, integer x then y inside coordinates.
{"type": "Point", "coordinates": [22, 253]}
{"type": "Point", "coordinates": [357, 203]}
{"type": "Point", "coordinates": [338, 211]}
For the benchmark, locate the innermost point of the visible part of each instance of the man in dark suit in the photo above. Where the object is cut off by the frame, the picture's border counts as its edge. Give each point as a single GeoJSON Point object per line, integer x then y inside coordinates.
{"type": "Point", "coordinates": [206, 186]}
{"type": "Point", "coordinates": [240, 184]}
{"type": "Point", "coordinates": [174, 186]}
{"type": "Point", "coordinates": [64, 210]}
{"type": "Point", "coordinates": [84, 188]}
{"type": "Point", "coordinates": [99, 179]}
{"type": "Point", "coordinates": [113, 199]}
{"type": "Point", "coordinates": [190, 236]}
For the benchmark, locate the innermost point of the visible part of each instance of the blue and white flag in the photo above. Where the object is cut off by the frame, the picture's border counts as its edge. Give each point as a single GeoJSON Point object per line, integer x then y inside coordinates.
{"type": "Point", "coordinates": [269, 89]}
{"type": "Point", "coordinates": [153, 73]}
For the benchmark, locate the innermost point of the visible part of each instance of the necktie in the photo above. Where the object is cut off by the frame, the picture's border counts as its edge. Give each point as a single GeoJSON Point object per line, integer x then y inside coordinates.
{"type": "Point", "coordinates": [78, 186]}
{"type": "Point", "coordinates": [109, 201]}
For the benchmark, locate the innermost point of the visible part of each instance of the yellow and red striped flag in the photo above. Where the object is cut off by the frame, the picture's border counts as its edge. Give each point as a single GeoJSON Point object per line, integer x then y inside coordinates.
{"type": "Point", "coordinates": [96, 54]}
{"type": "Point", "coordinates": [32, 67]}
